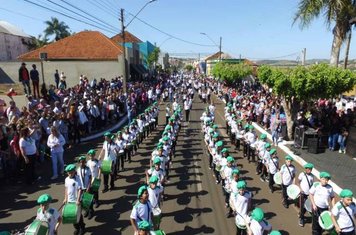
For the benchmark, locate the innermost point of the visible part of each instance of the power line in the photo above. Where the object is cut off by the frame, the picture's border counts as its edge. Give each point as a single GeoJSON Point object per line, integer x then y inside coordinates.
{"type": "Point", "coordinates": [277, 57]}
{"type": "Point", "coordinates": [108, 11]}
{"type": "Point", "coordinates": [108, 8]}
{"type": "Point", "coordinates": [103, 22]}
{"type": "Point", "coordinates": [17, 13]}
{"type": "Point", "coordinates": [170, 35]}
{"type": "Point", "coordinates": [71, 17]}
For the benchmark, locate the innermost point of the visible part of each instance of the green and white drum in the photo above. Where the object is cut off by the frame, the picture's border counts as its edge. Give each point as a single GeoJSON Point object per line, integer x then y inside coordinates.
{"type": "Point", "coordinates": [157, 232]}
{"type": "Point", "coordinates": [156, 216]}
{"type": "Point", "coordinates": [218, 167]}
{"type": "Point", "coordinates": [95, 185]}
{"type": "Point", "coordinates": [293, 191]}
{"type": "Point", "coordinates": [106, 167]}
{"type": "Point", "coordinates": [325, 221]}
{"type": "Point", "coordinates": [37, 227]}
{"type": "Point", "coordinates": [87, 200]}
{"type": "Point", "coordinates": [308, 205]}
{"type": "Point", "coordinates": [71, 213]}
{"type": "Point", "coordinates": [277, 178]}
{"type": "Point", "coordinates": [240, 221]}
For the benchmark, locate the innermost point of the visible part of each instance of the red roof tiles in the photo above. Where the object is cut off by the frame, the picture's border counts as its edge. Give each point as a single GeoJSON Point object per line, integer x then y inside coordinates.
{"type": "Point", "coordinates": [129, 37]}
{"type": "Point", "coordinates": [86, 45]}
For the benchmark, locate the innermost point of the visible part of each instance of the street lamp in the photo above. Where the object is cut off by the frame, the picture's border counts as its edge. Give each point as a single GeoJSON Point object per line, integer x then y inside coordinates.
{"type": "Point", "coordinates": [164, 41]}
{"type": "Point", "coordinates": [219, 46]}
{"type": "Point", "coordinates": [123, 27]}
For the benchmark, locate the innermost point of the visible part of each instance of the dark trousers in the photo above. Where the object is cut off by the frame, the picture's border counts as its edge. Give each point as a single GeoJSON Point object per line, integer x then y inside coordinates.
{"type": "Point", "coordinates": [30, 169]}
{"type": "Point", "coordinates": [271, 181]}
{"type": "Point", "coordinates": [121, 161]}
{"type": "Point", "coordinates": [167, 118]}
{"type": "Point", "coordinates": [96, 195]}
{"type": "Point", "coordinates": [284, 194]}
{"type": "Point", "coordinates": [259, 166]}
{"type": "Point", "coordinates": [128, 153]}
{"type": "Point", "coordinates": [112, 180]}
{"type": "Point", "coordinates": [237, 144]}
{"type": "Point", "coordinates": [36, 89]}
{"type": "Point", "coordinates": [241, 231]}
{"type": "Point", "coordinates": [80, 224]}
{"type": "Point", "coordinates": [187, 115]}
{"type": "Point", "coordinates": [302, 210]}
{"type": "Point", "coordinates": [316, 229]}
{"type": "Point", "coordinates": [210, 160]}
{"type": "Point", "coordinates": [348, 233]}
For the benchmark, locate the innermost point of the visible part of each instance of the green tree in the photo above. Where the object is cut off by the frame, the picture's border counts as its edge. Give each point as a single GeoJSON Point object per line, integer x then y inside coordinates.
{"type": "Point", "coordinates": [35, 43]}
{"type": "Point", "coordinates": [189, 67]}
{"type": "Point", "coordinates": [337, 12]}
{"type": "Point", "coordinates": [153, 57]}
{"type": "Point", "coordinates": [56, 28]}
{"type": "Point", "coordinates": [304, 84]}
{"type": "Point", "coordinates": [231, 73]}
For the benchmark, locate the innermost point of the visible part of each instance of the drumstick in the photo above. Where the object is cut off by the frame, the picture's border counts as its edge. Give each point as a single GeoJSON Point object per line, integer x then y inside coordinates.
{"type": "Point", "coordinates": [61, 206]}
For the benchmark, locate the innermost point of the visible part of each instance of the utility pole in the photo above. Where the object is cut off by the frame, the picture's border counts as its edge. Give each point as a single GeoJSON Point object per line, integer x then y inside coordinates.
{"type": "Point", "coordinates": [220, 48]}
{"type": "Point", "coordinates": [124, 80]}
{"type": "Point", "coordinates": [304, 52]}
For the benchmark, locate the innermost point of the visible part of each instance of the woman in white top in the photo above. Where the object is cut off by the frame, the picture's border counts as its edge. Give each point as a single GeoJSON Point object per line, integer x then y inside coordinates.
{"type": "Point", "coordinates": [29, 153]}
{"type": "Point", "coordinates": [56, 141]}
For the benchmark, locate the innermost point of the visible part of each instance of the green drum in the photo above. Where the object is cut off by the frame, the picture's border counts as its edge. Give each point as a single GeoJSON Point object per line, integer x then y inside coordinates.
{"type": "Point", "coordinates": [134, 142]}
{"type": "Point", "coordinates": [87, 200]}
{"type": "Point", "coordinates": [37, 227]}
{"type": "Point", "coordinates": [106, 167]}
{"type": "Point", "coordinates": [95, 185]}
{"type": "Point", "coordinates": [325, 221]}
{"type": "Point", "coordinates": [71, 213]}
{"type": "Point", "coordinates": [157, 232]}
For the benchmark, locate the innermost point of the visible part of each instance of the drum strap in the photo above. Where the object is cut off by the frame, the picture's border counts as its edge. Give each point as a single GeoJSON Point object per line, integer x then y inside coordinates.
{"type": "Point", "coordinates": [292, 177]}
{"type": "Point", "coordinates": [353, 224]}
{"type": "Point", "coordinates": [307, 180]}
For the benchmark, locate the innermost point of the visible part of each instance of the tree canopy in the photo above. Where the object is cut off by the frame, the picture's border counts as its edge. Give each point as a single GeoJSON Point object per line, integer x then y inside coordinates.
{"type": "Point", "coordinates": [57, 28]}
{"type": "Point", "coordinates": [189, 67]}
{"type": "Point", "coordinates": [153, 57]}
{"type": "Point", "coordinates": [231, 73]}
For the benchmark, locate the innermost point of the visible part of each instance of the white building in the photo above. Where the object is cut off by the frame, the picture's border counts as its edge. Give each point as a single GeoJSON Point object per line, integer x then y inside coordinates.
{"type": "Point", "coordinates": [12, 41]}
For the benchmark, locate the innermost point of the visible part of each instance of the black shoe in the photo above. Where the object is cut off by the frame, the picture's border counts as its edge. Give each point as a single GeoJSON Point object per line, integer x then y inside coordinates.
{"type": "Point", "coordinates": [228, 215]}
{"type": "Point", "coordinates": [301, 222]}
{"type": "Point", "coordinates": [105, 190]}
{"type": "Point", "coordinates": [97, 204]}
{"type": "Point", "coordinates": [86, 214]}
{"type": "Point", "coordinates": [76, 232]}
{"type": "Point", "coordinates": [90, 216]}
{"type": "Point", "coordinates": [286, 205]}
{"type": "Point", "coordinates": [112, 187]}
{"type": "Point", "coordinates": [271, 190]}
{"type": "Point", "coordinates": [81, 231]}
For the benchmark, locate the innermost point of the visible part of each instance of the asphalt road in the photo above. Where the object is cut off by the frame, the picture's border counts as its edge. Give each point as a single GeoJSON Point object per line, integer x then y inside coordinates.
{"type": "Point", "coordinates": [194, 205]}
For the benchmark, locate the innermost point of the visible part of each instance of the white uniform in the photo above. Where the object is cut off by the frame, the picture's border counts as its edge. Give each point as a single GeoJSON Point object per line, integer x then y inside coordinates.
{"type": "Point", "coordinates": [287, 178]}
{"type": "Point", "coordinates": [272, 163]}
{"type": "Point", "coordinates": [241, 202]}
{"type": "Point", "coordinates": [153, 195]}
{"type": "Point", "coordinates": [94, 167]}
{"type": "Point", "coordinates": [84, 175]}
{"type": "Point", "coordinates": [342, 218]}
{"type": "Point", "coordinates": [50, 216]}
{"type": "Point", "coordinates": [141, 212]}
{"type": "Point", "coordinates": [110, 151]}
{"type": "Point", "coordinates": [160, 174]}
{"type": "Point", "coordinates": [72, 185]}
{"type": "Point", "coordinates": [306, 181]}
{"type": "Point", "coordinates": [258, 228]}
{"type": "Point", "coordinates": [321, 194]}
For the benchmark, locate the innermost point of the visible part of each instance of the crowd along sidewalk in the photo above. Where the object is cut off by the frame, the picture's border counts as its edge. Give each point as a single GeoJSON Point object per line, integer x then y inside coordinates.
{"type": "Point", "coordinates": [341, 167]}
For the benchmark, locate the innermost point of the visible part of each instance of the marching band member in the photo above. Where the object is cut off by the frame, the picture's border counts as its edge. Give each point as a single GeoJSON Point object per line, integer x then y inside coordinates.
{"type": "Point", "coordinates": [216, 160]}
{"type": "Point", "coordinates": [260, 150]}
{"type": "Point", "coordinates": [242, 203]}
{"type": "Point", "coordinates": [109, 152]}
{"type": "Point", "coordinates": [250, 138]}
{"type": "Point", "coordinates": [142, 210]}
{"type": "Point", "coordinates": [305, 182]}
{"type": "Point", "coordinates": [121, 143]}
{"type": "Point", "coordinates": [73, 194]}
{"type": "Point", "coordinates": [320, 196]}
{"type": "Point", "coordinates": [48, 214]}
{"type": "Point", "coordinates": [85, 178]}
{"type": "Point", "coordinates": [154, 196]}
{"type": "Point", "coordinates": [128, 138]}
{"type": "Point", "coordinates": [272, 164]}
{"type": "Point", "coordinates": [156, 171]}
{"type": "Point", "coordinates": [288, 178]}
{"type": "Point", "coordinates": [226, 173]}
{"type": "Point", "coordinates": [257, 225]}
{"type": "Point", "coordinates": [94, 166]}
{"type": "Point", "coordinates": [265, 156]}
{"type": "Point", "coordinates": [344, 213]}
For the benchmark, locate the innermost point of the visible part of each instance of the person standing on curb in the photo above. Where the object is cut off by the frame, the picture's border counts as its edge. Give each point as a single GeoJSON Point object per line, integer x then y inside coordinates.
{"type": "Point", "coordinates": [24, 78]}
{"type": "Point", "coordinates": [56, 142]}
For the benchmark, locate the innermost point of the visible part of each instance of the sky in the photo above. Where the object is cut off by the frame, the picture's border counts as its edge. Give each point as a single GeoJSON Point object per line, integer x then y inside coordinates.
{"type": "Point", "coordinates": [252, 29]}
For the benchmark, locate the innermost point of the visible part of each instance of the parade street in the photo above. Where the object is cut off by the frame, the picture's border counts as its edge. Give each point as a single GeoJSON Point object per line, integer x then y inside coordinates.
{"type": "Point", "coordinates": [194, 204]}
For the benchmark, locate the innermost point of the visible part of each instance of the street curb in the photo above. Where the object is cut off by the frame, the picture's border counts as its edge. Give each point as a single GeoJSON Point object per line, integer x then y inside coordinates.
{"type": "Point", "coordinates": [296, 158]}
{"type": "Point", "coordinates": [100, 134]}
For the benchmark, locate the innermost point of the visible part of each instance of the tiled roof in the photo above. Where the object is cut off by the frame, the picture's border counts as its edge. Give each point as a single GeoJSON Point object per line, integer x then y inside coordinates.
{"type": "Point", "coordinates": [216, 56]}
{"type": "Point", "coordinates": [86, 45]}
{"type": "Point", "coordinates": [129, 37]}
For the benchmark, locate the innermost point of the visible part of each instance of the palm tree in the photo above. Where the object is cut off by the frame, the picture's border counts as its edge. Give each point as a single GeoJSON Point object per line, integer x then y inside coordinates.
{"type": "Point", "coordinates": [57, 28]}
{"type": "Point", "coordinates": [337, 12]}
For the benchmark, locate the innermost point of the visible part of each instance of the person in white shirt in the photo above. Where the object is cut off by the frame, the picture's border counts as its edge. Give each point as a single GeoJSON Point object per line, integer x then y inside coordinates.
{"type": "Point", "coordinates": [154, 197]}
{"type": "Point", "coordinates": [29, 152]}
{"type": "Point", "coordinates": [73, 194]}
{"type": "Point", "coordinates": [142, 210]}
{"type": "Point", "coordinates": [250, 138]}
{"type": "Point", "coordinates": [344, 213]}
{"type": "Point", "coordinates": [288, 178]}
{"type": "Point", "coordinates": [321, 194]}
{"type": "Point", "coordinates": [56, 142]}
{"type": "Point", "coordinates": [258, 225]}
{"type": "Point", "coordinates": [48, 214]}
{"type": "Point", "coordinates": [242, 203]}
{"type": "Point", "coordinates": [305, 182]}
{"type": "Point", "coordinates": [156, 171]}
{"type": "Point", "coordinates": [187, 107]}
{"type": "Point", "coordinates": [226, 175]}
{"type": "Point", "coordinates": [272, 165]}
{"type": "Point", "coordinates": [109, 152]}
{"type": "Point", "coordinates": [121, 143]}
{"type": "Point", "coordinates": [85, 177]}
{"type": "Point", "coordinates": [94, 166]}
{"type": "Point", "coordinates": [168, 113]}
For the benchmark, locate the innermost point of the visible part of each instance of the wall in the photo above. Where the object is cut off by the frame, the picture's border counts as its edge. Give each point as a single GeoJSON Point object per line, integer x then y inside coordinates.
{"type": "Point", "coordinates": [72, 69]}
{"type": "Point", "coordinates": [11, 47]}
